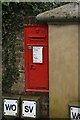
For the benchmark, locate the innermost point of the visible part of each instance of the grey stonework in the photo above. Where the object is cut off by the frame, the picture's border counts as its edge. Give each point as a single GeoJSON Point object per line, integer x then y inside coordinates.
{"type": "Point", "coordinates": [68, 12]}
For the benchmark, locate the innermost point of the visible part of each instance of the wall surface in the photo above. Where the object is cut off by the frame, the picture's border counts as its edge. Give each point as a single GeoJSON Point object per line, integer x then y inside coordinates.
{"type": "Point", "coordinates": [63, 69]}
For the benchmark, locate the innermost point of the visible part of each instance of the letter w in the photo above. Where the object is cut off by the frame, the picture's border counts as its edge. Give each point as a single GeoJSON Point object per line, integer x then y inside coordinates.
{"type": "Point", "coordinates": [8, 107]}
{"type": "Point", "coordinates": [75, 115]}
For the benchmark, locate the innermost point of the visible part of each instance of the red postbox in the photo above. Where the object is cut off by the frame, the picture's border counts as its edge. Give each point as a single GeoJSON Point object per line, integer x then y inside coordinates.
{"type": "Point", "coordinates": [36, 58]}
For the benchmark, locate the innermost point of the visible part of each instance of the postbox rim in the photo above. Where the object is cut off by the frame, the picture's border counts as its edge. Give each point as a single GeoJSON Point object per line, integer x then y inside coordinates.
{"type": "Point", "coordinates": [36, 25]}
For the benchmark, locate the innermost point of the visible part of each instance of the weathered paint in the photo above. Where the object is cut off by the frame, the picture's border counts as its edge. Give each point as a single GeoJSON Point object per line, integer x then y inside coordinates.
{"type": "Point", "coordinates": [63, 69]}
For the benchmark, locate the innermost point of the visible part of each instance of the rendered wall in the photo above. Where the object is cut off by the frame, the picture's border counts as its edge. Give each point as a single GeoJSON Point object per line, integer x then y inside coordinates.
{"type": "Point", "coordinates": [63, 69]}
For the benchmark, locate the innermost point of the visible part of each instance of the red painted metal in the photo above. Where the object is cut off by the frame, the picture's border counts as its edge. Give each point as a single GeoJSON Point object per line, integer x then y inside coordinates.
{"type": "Point", "coordinates": [36, 73]}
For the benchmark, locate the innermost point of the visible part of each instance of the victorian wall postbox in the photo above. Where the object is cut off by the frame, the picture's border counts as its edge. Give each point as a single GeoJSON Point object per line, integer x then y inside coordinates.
{"type": "Point", "coordinates": [36, 58]}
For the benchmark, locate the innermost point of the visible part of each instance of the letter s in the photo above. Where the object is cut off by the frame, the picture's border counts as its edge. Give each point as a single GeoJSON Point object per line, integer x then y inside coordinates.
{"type": "Point", "coordinates": [26, 108]}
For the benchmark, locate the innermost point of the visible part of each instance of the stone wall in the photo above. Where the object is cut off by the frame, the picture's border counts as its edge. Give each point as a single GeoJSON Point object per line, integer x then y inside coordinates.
{"type": "Point", "coordinates": [19, 85]}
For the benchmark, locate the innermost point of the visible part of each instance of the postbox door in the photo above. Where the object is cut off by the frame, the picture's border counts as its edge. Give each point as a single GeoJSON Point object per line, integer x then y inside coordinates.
{"type": "Point", "coordinates": [38, 67]}
{"type": "Point", "coordinates": [36, 58]}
